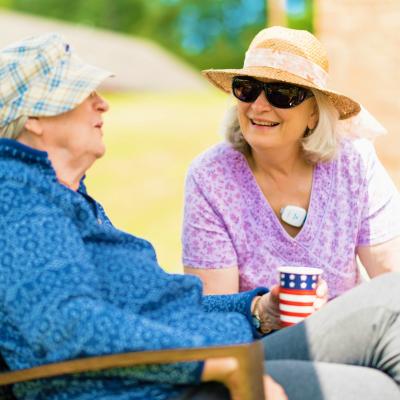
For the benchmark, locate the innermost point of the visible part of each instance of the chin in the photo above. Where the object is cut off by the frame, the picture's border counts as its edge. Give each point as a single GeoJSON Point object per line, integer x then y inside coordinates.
{"type": "Point", "coordinates": [264, 144]}
{"type": "Point", "coordinates": [100, 153]}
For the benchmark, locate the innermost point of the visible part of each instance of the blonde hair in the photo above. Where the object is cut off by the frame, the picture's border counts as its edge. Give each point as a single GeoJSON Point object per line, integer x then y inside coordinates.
{"type": "Point", "coordinates": [319, 144]}
{"type": "Point", "coordinates": [14, 128]}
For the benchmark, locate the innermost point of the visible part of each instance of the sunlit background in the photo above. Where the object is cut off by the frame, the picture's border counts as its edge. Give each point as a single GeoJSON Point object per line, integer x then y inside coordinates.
{"type": "Point", "coordinates": [162, 111]}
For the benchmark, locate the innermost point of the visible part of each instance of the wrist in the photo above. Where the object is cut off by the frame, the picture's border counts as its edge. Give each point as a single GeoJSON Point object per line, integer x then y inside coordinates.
{"type": "Point", "coordinates": [255, 314]}
{"type": "Point", "coordinates": [260, 320]}
{"type": "Point", "coordinates": [254, 303]}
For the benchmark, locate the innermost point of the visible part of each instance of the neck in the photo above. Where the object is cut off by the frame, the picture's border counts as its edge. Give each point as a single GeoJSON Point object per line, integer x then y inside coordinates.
{"type": "Point", "coordinates": [69, 170]}
{"type": "Point", "coordinates": [277, 163]}
{"type": "Point", "coordinates": [67, 173]}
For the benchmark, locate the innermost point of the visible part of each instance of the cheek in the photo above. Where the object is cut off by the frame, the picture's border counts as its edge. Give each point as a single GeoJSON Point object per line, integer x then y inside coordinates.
{"type": "Point", "coordinates": [296, 119]}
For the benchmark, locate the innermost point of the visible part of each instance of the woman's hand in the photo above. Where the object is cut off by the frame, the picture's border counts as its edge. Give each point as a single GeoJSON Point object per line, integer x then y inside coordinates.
{"type": "Point", "coordinates": [226, 370]}
{"type": "Point", "coordinates": [268, 306]}
{"type": "Point", "coordinates": [268, 310]}
{"type": "Point", "coordinates": [322, 294]}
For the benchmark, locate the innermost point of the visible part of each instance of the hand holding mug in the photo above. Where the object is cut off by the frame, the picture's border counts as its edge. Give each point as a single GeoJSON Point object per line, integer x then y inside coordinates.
{"type": "Point", "coordinates": [267, 308]}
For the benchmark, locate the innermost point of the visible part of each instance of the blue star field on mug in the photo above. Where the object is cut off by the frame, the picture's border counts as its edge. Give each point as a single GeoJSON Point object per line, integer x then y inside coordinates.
{"type": "Point", "coordinates": [298, 282]}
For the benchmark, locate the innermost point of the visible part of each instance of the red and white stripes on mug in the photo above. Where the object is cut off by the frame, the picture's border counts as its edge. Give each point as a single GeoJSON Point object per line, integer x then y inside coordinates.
{"type": "Point", "coordinates": [295, 305]}
{"type": "Point", "coordinates": [297, 293]}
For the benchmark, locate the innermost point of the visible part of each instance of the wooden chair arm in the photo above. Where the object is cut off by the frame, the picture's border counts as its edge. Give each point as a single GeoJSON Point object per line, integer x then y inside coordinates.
{"type": "Point", "coordinates": [249, 356]}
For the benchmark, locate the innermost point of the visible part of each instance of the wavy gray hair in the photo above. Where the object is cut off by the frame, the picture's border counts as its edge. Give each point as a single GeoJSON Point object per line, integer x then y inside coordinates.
{"type": "Point", "coordinates": [319, 144]}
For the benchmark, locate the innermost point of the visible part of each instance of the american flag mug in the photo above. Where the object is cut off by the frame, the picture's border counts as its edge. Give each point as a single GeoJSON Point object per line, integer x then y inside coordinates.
{"type": "Point", "coordinates": [297, 293]}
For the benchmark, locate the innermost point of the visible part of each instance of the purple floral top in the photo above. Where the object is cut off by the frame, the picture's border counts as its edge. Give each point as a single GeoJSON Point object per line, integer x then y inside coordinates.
{"type": "Point", "coordinates": [228, 221]}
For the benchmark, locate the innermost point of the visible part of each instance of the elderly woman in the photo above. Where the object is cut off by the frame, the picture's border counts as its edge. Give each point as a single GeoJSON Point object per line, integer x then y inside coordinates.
{"type": "Point", "coordinates": [292, 185]}
{"type": "Point", "coordinates": [72, 285]}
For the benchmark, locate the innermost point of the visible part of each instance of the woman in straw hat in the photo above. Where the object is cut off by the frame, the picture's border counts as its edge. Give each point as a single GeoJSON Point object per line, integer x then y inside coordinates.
{"type": "Point", "coordinates": [295, 183]}
{"type": "Point", "coordinates": [72, 285]}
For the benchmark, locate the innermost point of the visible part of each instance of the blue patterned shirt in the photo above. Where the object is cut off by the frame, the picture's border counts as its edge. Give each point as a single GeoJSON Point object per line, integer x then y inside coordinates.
{"type": "Point", "coordinates": [72, 285]}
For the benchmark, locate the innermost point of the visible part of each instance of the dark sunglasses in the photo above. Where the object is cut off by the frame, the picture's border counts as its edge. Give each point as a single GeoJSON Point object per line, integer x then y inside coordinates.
{"type": "Point", "coordinates": [278, 94]}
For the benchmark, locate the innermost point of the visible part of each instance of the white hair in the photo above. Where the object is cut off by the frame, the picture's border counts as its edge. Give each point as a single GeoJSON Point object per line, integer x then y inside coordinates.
{"type": "Point", "coordinates": [321, 144]}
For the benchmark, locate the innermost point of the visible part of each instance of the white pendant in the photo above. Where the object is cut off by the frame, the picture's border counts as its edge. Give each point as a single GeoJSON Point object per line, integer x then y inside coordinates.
{"type": "Point", "coordinates": [293, 215]}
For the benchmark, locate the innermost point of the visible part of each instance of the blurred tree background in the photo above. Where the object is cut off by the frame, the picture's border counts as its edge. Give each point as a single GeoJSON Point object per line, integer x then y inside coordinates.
{"type": "Point", "coordinates": [205, 33]}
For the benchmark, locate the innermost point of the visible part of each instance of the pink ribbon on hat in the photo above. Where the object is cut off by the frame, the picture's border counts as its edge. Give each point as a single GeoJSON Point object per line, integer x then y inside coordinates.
{"type": "Point", "coordinates": [288, 62]}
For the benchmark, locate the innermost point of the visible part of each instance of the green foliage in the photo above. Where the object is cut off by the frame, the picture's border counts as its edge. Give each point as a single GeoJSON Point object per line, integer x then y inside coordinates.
{"type": "Point", "coordinates": [304, 18]}
{"type": "Point", "coordinates": [207, 33]}
{"type": "Point", "coordinates": [119, 15]}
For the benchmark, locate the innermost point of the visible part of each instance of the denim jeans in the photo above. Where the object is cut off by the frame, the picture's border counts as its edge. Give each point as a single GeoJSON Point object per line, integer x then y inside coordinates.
{"type": "Point", "coordinates": [348, 350]}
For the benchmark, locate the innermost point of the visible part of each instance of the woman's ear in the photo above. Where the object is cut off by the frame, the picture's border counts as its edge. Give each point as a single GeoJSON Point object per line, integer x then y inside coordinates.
{"type": "Point", "coordinates": [314, 117]}
{"type": "Point", "coordinates": [34, 126]}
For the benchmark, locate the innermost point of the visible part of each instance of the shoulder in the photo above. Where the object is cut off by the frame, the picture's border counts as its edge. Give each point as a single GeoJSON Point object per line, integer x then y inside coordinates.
{"type": "Point", "coordinates": [25, 191]}
{"type": "Point", "coordinates": [356, 156]}
{"type": "Point", "coordinates": [15, 179]}
{"type": "Point", "coordinates": [23, 202]}
{"type": "Point", "coordinates": [220, 160]}
{"type": "Point", "coordinates": [357, 149]}
{"type": "Point", "coordinates": [17, 174]}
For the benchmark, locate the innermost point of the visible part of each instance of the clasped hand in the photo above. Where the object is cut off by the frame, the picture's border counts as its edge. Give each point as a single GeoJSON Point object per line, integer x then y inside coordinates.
{"type": "Point", "coordinates": [268, 306]}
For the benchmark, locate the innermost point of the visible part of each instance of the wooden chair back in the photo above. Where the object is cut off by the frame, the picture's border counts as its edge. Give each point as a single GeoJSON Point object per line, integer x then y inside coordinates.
{"type": "Point", "coordinates": [249, 356]}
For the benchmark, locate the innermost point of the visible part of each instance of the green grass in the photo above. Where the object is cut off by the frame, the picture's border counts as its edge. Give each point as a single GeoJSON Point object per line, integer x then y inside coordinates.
{"type": "Point", "coordinates": [151, 139]}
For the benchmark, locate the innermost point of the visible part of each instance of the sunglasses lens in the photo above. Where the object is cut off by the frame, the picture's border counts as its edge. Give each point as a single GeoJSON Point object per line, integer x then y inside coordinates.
{"type": "Point", "coordinates": [282, 95]}
{"type": "Point", "coordinates": [245, 89]}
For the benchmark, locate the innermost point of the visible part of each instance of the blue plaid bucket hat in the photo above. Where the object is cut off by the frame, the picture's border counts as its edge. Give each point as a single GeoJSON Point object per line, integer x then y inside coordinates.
{"type": "Point", "coordinates": [42, 76]}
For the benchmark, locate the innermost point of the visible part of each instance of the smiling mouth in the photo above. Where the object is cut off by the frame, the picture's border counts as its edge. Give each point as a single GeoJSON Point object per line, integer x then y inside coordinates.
{"type": "Point", "coordinates": [99, 125]}
{"type": "Point", "coordinates": [264, 123]}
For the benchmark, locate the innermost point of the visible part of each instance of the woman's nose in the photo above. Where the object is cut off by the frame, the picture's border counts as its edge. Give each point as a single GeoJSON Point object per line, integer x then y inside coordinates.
{"type": "Point", "coordinates": [261, 102]}
{"type": "Point", "coordinates": [101, 104]}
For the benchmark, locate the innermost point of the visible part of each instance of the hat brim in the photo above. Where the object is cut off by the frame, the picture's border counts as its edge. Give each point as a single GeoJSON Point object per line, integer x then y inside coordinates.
{"type": "Point", "coordinates": [74, 87]}
{"type": "Point", "coordinates": [222, 79]}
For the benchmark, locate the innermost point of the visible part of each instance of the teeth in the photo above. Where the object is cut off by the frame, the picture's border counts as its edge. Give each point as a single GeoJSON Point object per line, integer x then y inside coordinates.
{"type": "Point", "coordinates": [264, 123]}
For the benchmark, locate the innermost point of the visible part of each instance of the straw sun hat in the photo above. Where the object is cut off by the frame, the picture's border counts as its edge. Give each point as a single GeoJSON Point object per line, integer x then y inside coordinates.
{"type": "Point", "coordinates": [287, 55]}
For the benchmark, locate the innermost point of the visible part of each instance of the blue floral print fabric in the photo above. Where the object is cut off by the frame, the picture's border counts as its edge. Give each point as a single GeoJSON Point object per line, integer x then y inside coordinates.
{"type": "Point", "coordinates": [72, 285]}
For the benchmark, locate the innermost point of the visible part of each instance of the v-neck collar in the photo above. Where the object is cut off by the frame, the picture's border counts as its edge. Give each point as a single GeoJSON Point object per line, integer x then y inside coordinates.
{"type": "Point", "coordinates": [265, 216]}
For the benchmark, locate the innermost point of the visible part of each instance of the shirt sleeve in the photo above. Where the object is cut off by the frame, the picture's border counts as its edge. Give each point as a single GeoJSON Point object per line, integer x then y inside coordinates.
{"type": "Point", "coordinates": [206, 241]}
{"type": "Point", "coordinates": [240, 302]}
{"type": "Point", "coordinates": [51, 298]}
{"type": "Point", "coordinates": [380, 218]}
